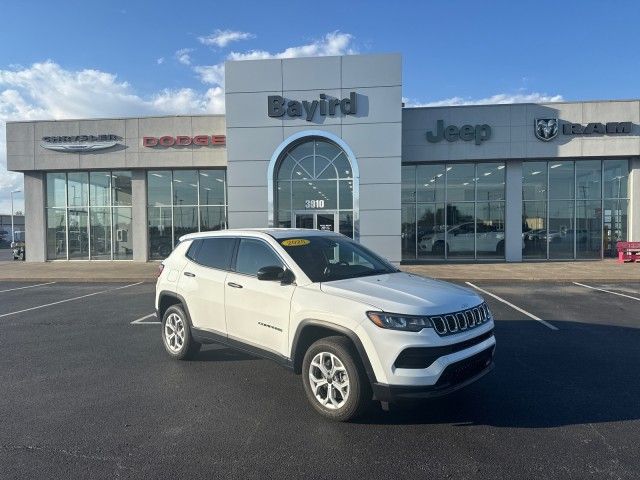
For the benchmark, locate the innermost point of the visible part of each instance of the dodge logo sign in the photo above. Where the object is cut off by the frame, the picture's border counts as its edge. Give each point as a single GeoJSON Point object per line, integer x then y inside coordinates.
{"type": "Point", "coordinates": [546, 128]}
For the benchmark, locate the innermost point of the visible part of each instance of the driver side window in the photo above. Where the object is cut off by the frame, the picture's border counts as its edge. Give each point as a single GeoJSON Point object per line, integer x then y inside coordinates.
{"type": "Point", "coordinates": [253, 255]}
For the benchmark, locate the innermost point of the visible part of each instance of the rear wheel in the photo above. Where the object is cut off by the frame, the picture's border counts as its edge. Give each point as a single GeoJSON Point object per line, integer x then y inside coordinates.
{"type": "Point", "coordinates": [439, 248]}
{"type": "Point", "coordinates": [500, 247]}
{"type": "Point", "coordinates": [334, 380]}
{"type": "Point", "coordinates": [176, 334]}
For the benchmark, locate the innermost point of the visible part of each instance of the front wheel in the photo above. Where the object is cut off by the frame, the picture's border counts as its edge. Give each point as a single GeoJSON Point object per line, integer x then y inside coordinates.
{"type": "Point", "coordinates": [334, 380]}
{"type": "Point", "coordinates": [176, 334]}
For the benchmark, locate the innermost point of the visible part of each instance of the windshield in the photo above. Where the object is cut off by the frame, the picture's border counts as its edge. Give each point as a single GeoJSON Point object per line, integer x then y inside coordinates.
{"type": "Point", "coordinates": [327, 258]}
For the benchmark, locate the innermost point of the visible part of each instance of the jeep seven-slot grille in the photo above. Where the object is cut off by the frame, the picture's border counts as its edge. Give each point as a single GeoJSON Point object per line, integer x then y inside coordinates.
{"type": "Point", "coordinates": [461, 321]}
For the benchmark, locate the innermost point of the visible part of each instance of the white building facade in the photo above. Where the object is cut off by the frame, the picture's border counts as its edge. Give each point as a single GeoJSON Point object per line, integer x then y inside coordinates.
{"type": "Point", "coordinates": [326, 143]}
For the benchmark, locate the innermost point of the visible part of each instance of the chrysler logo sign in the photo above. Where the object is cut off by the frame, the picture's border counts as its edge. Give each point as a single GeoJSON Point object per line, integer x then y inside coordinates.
{"type": "Point", "coordinates": [547, 129]}
{"type": "Point", "coordinates": [80, 143]}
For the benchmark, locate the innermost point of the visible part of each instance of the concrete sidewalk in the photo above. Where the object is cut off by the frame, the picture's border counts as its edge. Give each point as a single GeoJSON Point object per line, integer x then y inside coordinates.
{"type": "Point", "coordinates": [101, 271]}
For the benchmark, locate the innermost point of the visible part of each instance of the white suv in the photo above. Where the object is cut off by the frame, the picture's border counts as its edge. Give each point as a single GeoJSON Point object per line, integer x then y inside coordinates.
{"type": "Point", "coordinates": [355, 326]}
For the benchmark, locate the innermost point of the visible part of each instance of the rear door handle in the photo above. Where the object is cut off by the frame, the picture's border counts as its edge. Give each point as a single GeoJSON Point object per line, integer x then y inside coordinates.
{"type": "Point", "coordinates": [189, 274]}
{"type": "Point", "coordinates": [234, 285]}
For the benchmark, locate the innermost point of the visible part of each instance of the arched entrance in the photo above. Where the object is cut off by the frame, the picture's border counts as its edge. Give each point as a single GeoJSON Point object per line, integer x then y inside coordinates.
{"type": "Point", "coordinates": [314, 184]}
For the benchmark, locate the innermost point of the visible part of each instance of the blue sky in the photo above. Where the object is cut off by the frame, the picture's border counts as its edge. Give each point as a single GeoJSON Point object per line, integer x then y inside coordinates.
{"type": "Point", "coordinates": [91, 59]}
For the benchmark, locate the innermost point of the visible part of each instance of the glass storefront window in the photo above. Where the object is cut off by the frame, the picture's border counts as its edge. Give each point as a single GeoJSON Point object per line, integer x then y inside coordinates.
{"type": "Point", "coordinates": [584, 222]}
{"type": "Point", "coordinates": [616, 178]}
{"type": "Point", "coordinates": [431, 228]}
{"type": "Point", "coordinates": [78, 189]}
{"type": "Point", "coordinates": [56, 233]}
{"type": "Point", "coordinates": [121, 182]}
{"type": "Point", "coordinates": [159, 188]}
{"type": "Point", "coordinates": [80, 215]}
{"type": "Point", "coordinates": [100, 233]}
{"type": "Point", "coordinates": [490, 229]}
{"type": "Point", "coordinates": [181, 202]}
{"type": "Point", "coordinates": [56, 189]}
{"type": "Point", "coordinates": [588, 179]}
{"type": "Point", "coordinates": [100, 188]}
{"type": "Point", "coordinates": [469, 226]}
{"type": "Point", "coordinates": [490, 182]}
{"type": "Point", "coordinates": [314, 187]}
{"type": "Point", "coordinates": [560, 234]}
{"type": "Point", "coordinates": [534, 229]}
{"type": "Point", "coordinates": [122, 234]}
{"type": "Point", "coordinates": [615, 225]}
{"type": "Point", "coordinates": [78, 241]}
{"type": "Point", "coordinates": [588, 229]}
{"type": "Point", "coordinates": [534, 181]}
{"type": "Point", "coordinates": [461, 182]}
{"type": "Point", "coordinates": [430, 182]}
{"type": "Point", "coordinates": [561, 180]}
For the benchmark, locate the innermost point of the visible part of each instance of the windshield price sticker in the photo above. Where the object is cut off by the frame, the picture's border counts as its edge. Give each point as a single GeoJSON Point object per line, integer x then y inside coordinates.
{"type": "Point", "coordinates": [295, 242]}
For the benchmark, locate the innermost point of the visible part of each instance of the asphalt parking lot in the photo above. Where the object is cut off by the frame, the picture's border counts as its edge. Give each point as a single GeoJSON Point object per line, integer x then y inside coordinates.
{"type": "Point", "coordinates": [88, 394]}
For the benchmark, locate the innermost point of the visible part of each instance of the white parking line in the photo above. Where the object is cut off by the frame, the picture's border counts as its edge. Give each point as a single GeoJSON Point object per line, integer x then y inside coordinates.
{"type": "Point", "coordinates": [69, 299]}
{"type": "Point", "coordinates": [140, 321]}
{"type": "Point", "coordinates": [515, 307]}
{"type": "Point", "coordinates": [29, 286]}
{"type": "Point", "coordinates": [607, 291]}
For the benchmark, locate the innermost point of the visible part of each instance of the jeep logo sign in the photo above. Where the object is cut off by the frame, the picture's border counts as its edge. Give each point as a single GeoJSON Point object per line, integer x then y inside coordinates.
{"type": "Point", "coordinates": [278, 106]}
{"type": "Point", "coordinates": [478, 133]}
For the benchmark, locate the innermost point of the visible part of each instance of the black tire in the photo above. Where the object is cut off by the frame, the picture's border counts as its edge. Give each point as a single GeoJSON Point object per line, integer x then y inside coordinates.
{"type": "Point", "coordinates": [439, 248]}
{"type": "Point", "coordinates": [500, 247]}
{"type": "Point", "coordinates": [359, 391]}
{"type": "Point", "coordinates": [189, 347]}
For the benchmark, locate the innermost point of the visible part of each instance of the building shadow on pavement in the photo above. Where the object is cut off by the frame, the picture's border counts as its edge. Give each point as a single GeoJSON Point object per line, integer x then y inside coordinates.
{"type": "Point", "coordinates": [582, 373]}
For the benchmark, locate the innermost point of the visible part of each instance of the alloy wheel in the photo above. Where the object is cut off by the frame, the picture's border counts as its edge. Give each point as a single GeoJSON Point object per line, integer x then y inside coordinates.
{"type": "Point", "coordinates": [174, 332]}
{"type": "Point", "coordinates": [329, 380]}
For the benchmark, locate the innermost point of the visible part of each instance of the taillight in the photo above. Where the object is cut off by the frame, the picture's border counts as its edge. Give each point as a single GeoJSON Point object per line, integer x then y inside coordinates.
{"type": "Point", "coordinates": [160, 269]}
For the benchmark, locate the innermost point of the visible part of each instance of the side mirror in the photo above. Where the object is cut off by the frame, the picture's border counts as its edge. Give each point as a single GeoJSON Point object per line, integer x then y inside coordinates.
{"type": "Point", "coordinates": [271, 273]}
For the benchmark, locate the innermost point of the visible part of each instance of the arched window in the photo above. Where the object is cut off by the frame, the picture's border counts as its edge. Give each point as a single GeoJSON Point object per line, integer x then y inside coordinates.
{"type": "Point", "coordinates": [314, 187]}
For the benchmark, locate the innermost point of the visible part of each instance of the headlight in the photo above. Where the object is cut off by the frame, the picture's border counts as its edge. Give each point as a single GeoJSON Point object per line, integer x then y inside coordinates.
{"type": "Point", "coordinates": [395, 321]}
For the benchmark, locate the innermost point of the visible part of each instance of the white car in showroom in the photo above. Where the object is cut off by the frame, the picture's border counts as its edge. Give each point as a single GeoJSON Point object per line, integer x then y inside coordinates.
{"type": "Point", "coordinates": [321, 304]}
{"type": "Point", "coordinates": [463, 238]}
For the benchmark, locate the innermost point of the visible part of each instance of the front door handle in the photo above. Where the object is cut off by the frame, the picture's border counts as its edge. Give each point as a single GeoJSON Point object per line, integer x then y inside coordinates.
{"type": "Point", "coordinates": [234, 285]}
{"type": "Point", "coordinates": [189, 274]}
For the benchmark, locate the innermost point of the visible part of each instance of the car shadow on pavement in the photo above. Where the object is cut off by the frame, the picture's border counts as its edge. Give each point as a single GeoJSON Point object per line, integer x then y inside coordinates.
{"type": "Point", "coordinates": [219, 353]}
{"type": "Point", "coordinates": [582, 373]}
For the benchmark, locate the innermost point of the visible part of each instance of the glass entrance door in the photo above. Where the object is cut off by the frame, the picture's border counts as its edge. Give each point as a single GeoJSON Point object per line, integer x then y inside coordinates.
{"type": "Point", "coordinates": [317, 220]}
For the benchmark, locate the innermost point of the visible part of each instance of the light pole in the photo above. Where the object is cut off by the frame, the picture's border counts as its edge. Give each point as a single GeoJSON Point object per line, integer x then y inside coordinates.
{"type": "Point", "coordinates": [13, 232]}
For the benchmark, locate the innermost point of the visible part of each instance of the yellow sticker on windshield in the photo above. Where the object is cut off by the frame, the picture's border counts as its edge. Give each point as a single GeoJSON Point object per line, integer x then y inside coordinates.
{"type": "Point", "coordinates": [295, 242]}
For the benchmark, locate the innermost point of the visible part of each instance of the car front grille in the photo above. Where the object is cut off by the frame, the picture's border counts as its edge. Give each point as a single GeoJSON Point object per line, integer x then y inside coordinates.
{"type": "Point", "coordinates": [461, 321]}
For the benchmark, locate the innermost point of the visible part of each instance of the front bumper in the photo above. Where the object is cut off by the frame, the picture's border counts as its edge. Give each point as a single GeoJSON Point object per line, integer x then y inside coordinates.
{"type": "Point", "coordinates": [455, 376]}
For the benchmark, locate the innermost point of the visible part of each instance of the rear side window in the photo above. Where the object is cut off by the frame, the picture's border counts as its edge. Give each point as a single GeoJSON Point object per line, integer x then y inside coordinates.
{"type": "Point", "coordinates": [253, 255]}
{"type": "Point", "coordinates": [214, 252]}
{"type": "Point", "coordinates": [193, 249]}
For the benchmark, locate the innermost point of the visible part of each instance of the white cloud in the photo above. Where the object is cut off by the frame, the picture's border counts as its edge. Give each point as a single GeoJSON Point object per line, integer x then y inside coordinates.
{"type": "Point", "coordinates": [184, 56]}
{"type": "Point", "coordinates": [333, 43]}
{"type": "Point", "coordinates": [213, 74]}
{"type": "Point", "coordinates": [500, 98]}
{"type": "Point", "coordinates": [222, 38]}
{"type": "Point", "coordinates": [160, 61]}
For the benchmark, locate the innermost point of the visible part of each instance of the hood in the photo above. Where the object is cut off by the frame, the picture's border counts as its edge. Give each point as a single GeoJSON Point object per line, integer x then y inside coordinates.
{"type": "Point", "coordinates": [404, 293]}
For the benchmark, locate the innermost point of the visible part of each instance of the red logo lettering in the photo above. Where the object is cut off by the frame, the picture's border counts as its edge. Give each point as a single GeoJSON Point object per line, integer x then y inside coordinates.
{"type": "Point", "coordinates": [183, 140]}
{"type": "Point", "coordinates": [149, 141]}
{"type": "Point", "coordinates": [218, 140]}
{"type": "Point", "coordinates": [167, 141]}
{"type": "Point", "coordinates": [201, 140]}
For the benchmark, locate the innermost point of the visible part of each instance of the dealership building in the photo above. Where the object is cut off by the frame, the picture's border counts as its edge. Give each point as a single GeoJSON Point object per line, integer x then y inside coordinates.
{"type": "Point", "coordinates": [326, 143]}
